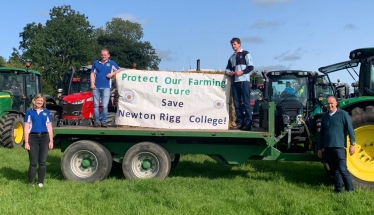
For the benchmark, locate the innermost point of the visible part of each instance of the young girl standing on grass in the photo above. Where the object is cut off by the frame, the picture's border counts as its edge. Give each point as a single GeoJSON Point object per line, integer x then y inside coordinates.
{"type": "Point", "coordinates": [38, 137]}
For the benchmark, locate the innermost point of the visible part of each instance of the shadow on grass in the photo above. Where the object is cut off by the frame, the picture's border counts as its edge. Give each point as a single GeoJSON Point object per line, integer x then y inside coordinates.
{"type": "Point", "coordinates": [54, 167]}
{"type": "Point", "coordinates": [53, 170]}
{"type": "Point", "coordinates": [298, 173]}
{"type": "Point", "coordinates": [206, 169]}
{"type": "Point", "coordinates": [14, 174]}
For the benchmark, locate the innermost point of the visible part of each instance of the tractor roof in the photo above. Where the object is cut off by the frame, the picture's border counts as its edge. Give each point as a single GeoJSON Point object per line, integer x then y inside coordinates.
{"type": "Point", "coordinates": [361, 53]}
{"type": "Point", "coordinates": [24, 70]}
{"type": "Point", "coordinates": [293, 72]}
{"type": "Point", "coordinates": [339, 66]}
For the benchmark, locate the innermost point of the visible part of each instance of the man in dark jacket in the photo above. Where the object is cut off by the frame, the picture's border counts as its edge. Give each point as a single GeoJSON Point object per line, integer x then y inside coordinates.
{"type": "Point", "coordinates": [336, 125]}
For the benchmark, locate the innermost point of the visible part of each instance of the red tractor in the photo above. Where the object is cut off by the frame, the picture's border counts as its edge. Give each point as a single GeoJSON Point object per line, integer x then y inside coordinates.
{"type": "Point", "coordinates": [78, 106]}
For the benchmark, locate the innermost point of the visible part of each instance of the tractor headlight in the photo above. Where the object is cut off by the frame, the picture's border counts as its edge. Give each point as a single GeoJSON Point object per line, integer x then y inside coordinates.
{"type": "Point", "coordinates": [78, 102]}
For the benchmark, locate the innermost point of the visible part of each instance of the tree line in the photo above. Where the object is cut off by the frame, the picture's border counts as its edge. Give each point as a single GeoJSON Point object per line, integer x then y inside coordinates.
{"type": "Point", "coordinates": [68, 39]}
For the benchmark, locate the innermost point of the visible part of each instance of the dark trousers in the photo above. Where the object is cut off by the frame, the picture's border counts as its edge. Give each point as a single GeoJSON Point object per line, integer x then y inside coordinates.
{"type": "Point", "coordinates": [337, 160]}
{"type": "Point", "coordinates": [241, 95]}
{"type": "Point", "coordinates": [38, 155]}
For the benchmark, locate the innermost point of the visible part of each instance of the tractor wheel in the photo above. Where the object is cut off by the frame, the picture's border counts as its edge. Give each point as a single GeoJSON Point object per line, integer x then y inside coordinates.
{"type": "Point", "coordinates": [86, 161]}
{"type": "Point", "coordinates": [361, 164]}
{"type": "Point", "coordinates": [11, 131]}
{"type": "Point", "coordinates": [146, 160]}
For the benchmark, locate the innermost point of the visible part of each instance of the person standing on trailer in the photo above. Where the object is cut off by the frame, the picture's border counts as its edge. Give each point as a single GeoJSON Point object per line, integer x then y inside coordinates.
{"type": "Point", "coordinates": [336, 125]}
{"type": "Point", "coordinates": [239, 67]}
{"type": "Point", "coordinates": [101, 73]}
{"type": "Point", "coordinates": [38, 138]}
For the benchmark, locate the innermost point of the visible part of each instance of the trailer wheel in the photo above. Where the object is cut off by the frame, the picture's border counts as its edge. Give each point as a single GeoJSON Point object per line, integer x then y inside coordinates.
{"type": "Point", "coordinates": [174, 160]}
{"type": "Point", "coordinates": [86, 161]}
{"type": "Point", "coordinates": [361, 164]}
{"type": "Point", "coordinates": [146, 160]}
{"type": "Point", "coordinates": [11, 131]}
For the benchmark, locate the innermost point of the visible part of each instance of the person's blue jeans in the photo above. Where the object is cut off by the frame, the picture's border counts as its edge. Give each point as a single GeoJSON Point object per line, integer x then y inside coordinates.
{"type": "Point", "coordinates": [241, 95]}
{"type": "Point", "coordinates": [337, 160]}
{"type": "Point", "coordinates": [104, 95]}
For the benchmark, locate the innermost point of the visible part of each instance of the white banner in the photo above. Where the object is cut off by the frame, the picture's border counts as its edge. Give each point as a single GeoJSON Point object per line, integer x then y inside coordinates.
{"type": "Point", "coordinates": [177, 100]}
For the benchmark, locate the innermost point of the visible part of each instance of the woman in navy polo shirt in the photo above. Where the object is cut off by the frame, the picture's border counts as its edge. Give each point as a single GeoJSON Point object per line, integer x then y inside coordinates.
{"type": "Point", "coordinates": [38, 137]}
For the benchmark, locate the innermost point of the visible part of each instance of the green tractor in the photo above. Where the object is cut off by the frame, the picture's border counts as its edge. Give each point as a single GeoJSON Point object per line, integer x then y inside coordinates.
{"type": "Point", "coordinates": [297, 95]}
{"type": "Point", "coordinates": [360, 106]}
{"type": "Point", "coordinates": [17, 89]}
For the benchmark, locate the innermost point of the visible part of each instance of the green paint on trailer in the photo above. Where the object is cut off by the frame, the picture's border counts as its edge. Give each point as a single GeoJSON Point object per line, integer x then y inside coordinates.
{"type": "Point", "coordinates": [226, 146]}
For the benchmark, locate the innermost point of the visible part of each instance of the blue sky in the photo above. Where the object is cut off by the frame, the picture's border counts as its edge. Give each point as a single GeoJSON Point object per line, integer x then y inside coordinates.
{"type": "Point", "coordinates": [279, 34]}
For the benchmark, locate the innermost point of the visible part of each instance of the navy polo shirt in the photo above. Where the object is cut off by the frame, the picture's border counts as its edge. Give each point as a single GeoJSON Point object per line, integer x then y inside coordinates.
{"type": "Point", "coordinates": [101, 70]}
{"type": "Point", "coordinates": [38, 121]}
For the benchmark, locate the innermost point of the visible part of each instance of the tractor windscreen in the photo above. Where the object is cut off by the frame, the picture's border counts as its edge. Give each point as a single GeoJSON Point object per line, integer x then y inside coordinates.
{"type": "Point", "coordinates": [288, 86]}
{"type": "Point", "coordinates": [324, 88]}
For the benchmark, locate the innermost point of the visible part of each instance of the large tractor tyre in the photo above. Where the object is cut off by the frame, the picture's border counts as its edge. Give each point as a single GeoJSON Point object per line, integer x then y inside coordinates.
{"type": "Point", "coordinates": [56, 116]}
{"type": "Point", "coordinates": [86, 161]}
{"type": "Point", "coordinates": [361, 164]}
{"type": "Point", "coordinates": [11, 130]}
{"type": "Point", "coordinates": [146, 160]}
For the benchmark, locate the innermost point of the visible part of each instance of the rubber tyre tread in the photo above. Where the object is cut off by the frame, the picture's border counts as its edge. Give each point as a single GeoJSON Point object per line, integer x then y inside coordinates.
{"type": "Point", "coordinates": [104, 164]}
{"type": "Point", "coordinates": [7, 124]}
{"type": "Point", "coordinates": [157, 150]}
{"type": "Point", "coordinates": [359, 118]}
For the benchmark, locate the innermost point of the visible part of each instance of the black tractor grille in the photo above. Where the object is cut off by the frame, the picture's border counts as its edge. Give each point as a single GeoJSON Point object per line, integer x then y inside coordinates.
{"type": "Point", "coordinates": [72, 109]}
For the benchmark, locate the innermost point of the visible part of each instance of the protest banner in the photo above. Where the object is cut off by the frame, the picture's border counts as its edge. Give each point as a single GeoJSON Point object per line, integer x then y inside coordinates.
{"type": "Point", "coordinates": [175, 100]}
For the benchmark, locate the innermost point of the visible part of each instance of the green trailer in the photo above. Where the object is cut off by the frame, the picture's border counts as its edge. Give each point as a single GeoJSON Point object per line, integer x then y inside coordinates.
{"type": "Point", "coordinates": [88, 152]}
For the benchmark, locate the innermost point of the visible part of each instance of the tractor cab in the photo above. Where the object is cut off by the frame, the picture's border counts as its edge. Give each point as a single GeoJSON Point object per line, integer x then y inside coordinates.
{"type": "Point", "coordinates": [289, 90]}
{"type": "Point", "coordinates": [17, 88]}
{"type": "Point", "coordinates": [77, 102]}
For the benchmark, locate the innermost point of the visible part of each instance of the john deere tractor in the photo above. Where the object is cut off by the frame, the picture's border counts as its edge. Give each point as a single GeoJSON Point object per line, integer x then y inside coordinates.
{"type": "Point", "coordinates": [17, 89]}
{"type": "Point", "coordinates": [360, 106]}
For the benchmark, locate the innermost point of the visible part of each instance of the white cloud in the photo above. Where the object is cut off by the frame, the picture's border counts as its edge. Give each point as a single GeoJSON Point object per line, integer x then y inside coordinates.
{"type": "Point", "coordinates": [165, 55]}
{"type": "Point", "coordinates": [132, 18]}
{"type": "Point", "coordinates": [252, 39]}
{"type": "Point", "coordinates": [290, 56]}
{"type": "Point", "coordinates": [261, 24]}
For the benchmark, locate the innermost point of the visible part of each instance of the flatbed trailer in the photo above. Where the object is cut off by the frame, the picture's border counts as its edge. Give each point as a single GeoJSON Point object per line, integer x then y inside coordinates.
{"type": "Point", "coordinates": [88, 152]}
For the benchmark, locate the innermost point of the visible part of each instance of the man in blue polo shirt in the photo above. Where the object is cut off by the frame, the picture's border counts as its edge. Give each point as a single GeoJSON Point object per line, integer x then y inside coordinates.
{"type": "Point", "coordinates": [102, 71]}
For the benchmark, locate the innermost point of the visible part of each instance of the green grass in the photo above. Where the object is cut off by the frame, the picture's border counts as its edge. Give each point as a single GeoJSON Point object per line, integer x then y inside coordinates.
{"type": "Point", "coordinates": [198, 185]}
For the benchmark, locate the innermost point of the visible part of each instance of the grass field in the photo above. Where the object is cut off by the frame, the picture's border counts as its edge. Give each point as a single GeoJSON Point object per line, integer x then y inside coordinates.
{"type": "Point", "coordinates": [198, 185]}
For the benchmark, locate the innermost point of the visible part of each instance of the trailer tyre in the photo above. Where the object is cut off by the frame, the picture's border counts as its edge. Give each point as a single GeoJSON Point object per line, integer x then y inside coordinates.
{"type": "Point", "coordinates": [146, 160]}
{"type": "Point", "coordinates": [11, 131]}
{"type": "Point", "coordinates": [361, 164]}
{"type": "Point", "coordinates": [86, 161]}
